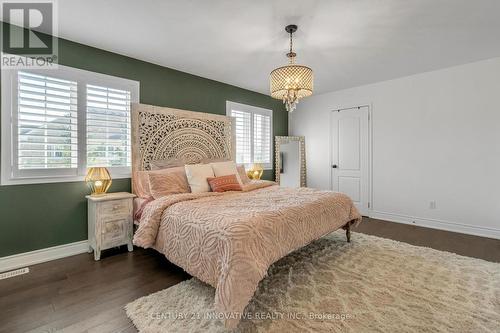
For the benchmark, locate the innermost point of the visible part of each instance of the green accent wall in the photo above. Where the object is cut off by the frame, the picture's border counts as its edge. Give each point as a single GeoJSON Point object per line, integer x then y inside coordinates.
{"type": "Point", "coordinates": [39, 216]}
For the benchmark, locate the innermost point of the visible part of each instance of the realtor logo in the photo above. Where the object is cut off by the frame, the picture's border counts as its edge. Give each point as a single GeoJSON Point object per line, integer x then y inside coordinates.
{"type": "Point", "coordinates": [27, 34]}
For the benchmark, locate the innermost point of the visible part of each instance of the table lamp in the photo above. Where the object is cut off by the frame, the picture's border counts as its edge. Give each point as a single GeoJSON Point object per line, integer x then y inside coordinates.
{"type": "Point", "coordinates": [99, 180]}
{"type": "Point", "coordinates": [255, 172]}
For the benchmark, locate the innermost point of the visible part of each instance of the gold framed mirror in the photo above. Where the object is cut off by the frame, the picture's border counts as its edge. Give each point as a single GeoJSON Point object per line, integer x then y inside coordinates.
{"type": "Point", "coordinates": [290, 161]}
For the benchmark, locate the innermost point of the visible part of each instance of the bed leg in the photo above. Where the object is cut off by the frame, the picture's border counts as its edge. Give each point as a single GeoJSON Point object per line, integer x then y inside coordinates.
{"type": "Point", "coordinates": [348, 232]}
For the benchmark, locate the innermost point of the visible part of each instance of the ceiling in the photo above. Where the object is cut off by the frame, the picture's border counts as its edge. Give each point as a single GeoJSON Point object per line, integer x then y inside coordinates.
{"type": "Point", "coordinates": [347, 42]}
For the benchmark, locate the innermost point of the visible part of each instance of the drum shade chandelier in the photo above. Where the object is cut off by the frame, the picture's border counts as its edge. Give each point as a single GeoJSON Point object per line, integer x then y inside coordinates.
{"type": "Point", "coordinates": [292, 82]}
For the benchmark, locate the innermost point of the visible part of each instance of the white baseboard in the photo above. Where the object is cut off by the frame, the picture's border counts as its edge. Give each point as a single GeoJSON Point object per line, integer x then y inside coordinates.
{"type": "Point", "coordinates": [437, 224]}
{"type": "Point", "coordinates": [36, 257]}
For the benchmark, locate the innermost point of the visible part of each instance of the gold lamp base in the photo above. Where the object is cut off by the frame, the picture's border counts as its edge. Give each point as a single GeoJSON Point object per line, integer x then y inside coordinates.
{"type": "Point", "coordinates": [98, 180]}
{"type": "Point", "coordinates": [255, 172]}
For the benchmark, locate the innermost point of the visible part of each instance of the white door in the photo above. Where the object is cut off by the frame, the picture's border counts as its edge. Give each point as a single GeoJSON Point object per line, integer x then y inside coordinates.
{"type": "Point", "coordinates": [350, 155]}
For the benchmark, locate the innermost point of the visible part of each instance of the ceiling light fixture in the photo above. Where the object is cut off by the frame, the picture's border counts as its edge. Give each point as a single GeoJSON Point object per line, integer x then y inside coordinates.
{"type": "Point", "coordinates": [292, 82]}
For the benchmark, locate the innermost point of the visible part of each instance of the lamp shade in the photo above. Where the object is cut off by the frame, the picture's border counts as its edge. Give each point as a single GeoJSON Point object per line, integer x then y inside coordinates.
{"type": "Point", "coordinates": [292, 82]}
{"type": "Point", "coordinates": [99, 180]}
{"type": "Point", "coordinates": [292, 78]}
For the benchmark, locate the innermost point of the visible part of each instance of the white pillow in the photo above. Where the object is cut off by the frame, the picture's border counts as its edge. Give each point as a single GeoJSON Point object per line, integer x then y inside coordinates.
{"type": "Point", "coordinates": [225, 169]}
{"type": "Point", "coordinates": [197, 175]}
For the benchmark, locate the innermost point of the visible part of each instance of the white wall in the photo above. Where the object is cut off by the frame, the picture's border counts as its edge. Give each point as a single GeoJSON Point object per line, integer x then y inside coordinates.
{"type": "Point", "coordinates": [436, 137]}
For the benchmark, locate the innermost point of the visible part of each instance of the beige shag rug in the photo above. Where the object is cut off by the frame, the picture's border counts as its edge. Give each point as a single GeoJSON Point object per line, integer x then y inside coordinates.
{"type": "Point", "coordinates": [370, 285]}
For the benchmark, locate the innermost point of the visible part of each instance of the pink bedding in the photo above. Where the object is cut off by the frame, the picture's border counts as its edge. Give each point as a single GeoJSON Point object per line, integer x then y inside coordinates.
{"type": "Point", "coordinates": [229, 239]}
{"type": "Point", "coordinates": [139, 204]}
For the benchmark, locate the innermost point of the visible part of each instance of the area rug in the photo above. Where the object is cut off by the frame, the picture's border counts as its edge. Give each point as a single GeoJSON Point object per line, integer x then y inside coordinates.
{"type": "Point", "coordinates": [369, 285]}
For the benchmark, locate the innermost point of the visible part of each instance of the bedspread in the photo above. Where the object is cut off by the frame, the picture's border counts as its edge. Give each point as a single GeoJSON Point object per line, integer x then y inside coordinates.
{"type": "Point", "coordinates": [230, 239]}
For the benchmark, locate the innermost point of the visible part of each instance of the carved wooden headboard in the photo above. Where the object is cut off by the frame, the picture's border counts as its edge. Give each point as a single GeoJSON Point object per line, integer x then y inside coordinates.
{"type": "Point", "coordinates": [160, 133]}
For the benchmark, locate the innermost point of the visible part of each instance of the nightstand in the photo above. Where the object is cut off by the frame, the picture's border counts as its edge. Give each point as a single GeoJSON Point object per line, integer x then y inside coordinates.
{"type": "Point", "coordinates": [110, 221]}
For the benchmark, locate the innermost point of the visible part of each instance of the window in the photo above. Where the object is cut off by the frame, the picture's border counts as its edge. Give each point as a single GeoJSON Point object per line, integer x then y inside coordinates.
{"type": "Point", "coordinates": [253, 131]}
{"type": "Point", "coordinates": [46, 122]}
{"type": "Point", "coordinates": [242, 129]}
{"type": "Point", "coordinates": [58, 122]}
{"type": "Point", "coordinates": [108, 127]}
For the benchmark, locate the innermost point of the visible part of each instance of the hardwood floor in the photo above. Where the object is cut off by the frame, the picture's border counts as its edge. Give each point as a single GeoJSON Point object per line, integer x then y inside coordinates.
{"type": "Point", "coordinates": [77, 294]}
{"type": "Point", "coordinates": [466, 245]}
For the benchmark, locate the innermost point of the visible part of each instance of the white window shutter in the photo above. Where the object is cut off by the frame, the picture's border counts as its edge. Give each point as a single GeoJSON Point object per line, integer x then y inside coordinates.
{"type": "Point", "coordinates": [58, 122]}
{"type": "Point", "coordinates": [262, 138]}
{"type": "Point", "coordinates": [243, 132]}
{"type": "Point", "coordinates": [108, 127]}
{"type": "Point", "coordinates": [253, 131]}
{"type": "Point", "coordinates": [46, 123]}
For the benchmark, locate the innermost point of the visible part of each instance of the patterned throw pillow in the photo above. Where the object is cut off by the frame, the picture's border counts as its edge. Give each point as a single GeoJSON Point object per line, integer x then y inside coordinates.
{"type": "Point", "coordinates": [224, 183]}
{"type": "Point", "coordinates": [140, 180]}
{"type": "Point", "coordinates": [168, 181]}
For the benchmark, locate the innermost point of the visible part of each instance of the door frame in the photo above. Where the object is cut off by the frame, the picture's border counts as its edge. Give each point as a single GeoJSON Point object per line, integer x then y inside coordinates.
{"type": "Point", "coordinates": [370, 148]}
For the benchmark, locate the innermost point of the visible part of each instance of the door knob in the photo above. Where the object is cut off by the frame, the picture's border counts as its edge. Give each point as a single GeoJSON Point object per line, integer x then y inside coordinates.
{"type": "Point", "coordinates": [334, 166]}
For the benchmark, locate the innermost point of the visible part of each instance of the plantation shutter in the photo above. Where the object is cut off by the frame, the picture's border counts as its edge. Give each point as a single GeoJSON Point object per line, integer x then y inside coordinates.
{"type": "Point", "coordinates": [243, 132]}
{"type": "Point", "coordinates": [262, 138]}
{"type": "Point", "coordinates": [46, 123]}
{"type": "Point", "coordinates": [108, 127]}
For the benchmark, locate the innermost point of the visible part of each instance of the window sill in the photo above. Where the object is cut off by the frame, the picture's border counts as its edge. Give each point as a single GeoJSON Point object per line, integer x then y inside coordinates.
{"type": "Point", "coordinates": [49, 180]}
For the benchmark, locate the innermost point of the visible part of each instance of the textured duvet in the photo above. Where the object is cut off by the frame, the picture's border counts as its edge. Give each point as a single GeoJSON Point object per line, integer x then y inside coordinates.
{"type": "Point", "coordinates": [229, 240]}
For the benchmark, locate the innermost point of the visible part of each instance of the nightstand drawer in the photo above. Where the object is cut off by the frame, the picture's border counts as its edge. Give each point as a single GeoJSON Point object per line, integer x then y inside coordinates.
{"type": "Point", "coordinates": [114, 207]}
{"type": "Point", "coordinates": [114, 230]}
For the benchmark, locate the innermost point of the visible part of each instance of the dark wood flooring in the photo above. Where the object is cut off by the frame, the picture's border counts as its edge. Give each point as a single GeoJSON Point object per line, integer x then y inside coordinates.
{"type": "Point", "coordinates": [466, 245]}
{"type": "Point", "coordinates": [77, 294]}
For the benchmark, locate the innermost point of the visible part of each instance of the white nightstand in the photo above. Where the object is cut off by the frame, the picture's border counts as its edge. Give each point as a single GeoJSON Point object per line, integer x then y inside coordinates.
{"type": "Point", "coordinates": [110, 221]}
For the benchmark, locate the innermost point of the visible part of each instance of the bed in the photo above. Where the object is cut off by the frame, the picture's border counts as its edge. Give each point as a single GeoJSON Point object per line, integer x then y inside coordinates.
{"type": "Point", "coordinates": [227, 240]}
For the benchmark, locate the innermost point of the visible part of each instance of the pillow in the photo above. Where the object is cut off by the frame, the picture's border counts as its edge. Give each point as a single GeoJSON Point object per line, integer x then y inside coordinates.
{"type": "Point", "coordinates": [168, 163]}
{"type": "Point", "coordinates": [197, 175]}
{"type": "Point", "coordinates": [168, 181]}
{"type": "Point", "coordinates": [224, 183]}
{"type": "Point", "coordinates": [225, 169]}
{"type": "Point", "coordinates": [243, 174]}
{"type": "Point", "coordinates": [140, 184]}
{"type": "Point", "coordinates": [140, 181]}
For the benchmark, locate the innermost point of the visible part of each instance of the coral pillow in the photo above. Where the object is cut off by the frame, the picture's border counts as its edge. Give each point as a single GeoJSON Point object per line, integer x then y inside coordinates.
{"type": "Point", "coordinates": [224, 183]}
